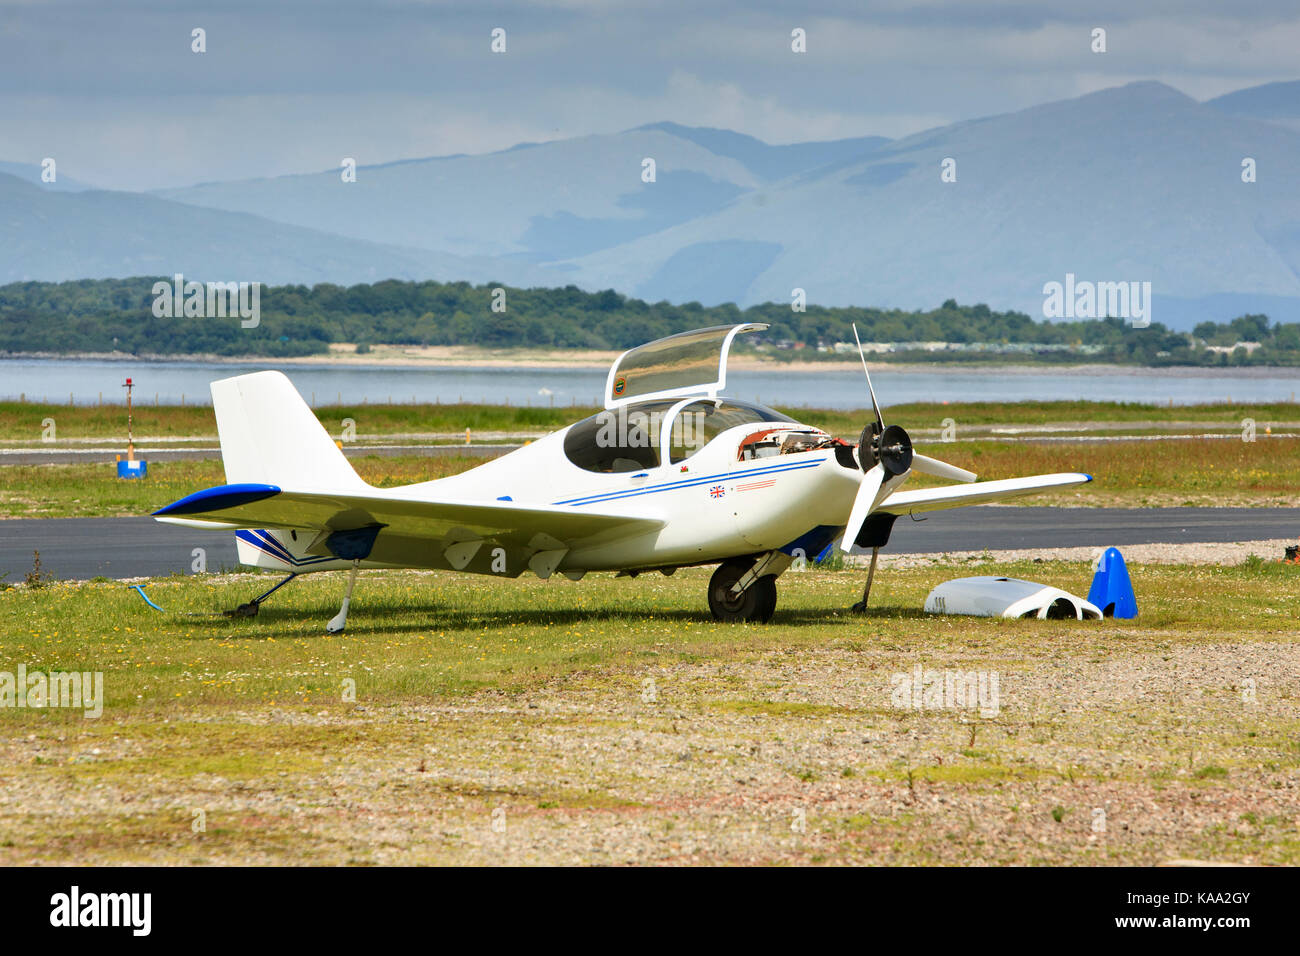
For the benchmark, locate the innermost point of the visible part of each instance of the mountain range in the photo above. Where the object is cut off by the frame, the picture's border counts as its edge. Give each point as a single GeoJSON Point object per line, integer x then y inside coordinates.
{"type": "Point", "coordinates": [1138, 183]}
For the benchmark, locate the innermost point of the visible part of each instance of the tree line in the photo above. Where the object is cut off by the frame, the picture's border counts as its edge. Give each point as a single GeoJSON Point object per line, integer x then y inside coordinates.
{"type": "Point", "coordinates": [117, 315]}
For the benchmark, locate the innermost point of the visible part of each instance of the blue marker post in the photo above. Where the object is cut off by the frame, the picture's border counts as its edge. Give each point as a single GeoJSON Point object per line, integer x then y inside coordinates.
{"type": "Point", "coordinates": [130, 468]}
{"type": "Point", "coordinates": [1112, 590]}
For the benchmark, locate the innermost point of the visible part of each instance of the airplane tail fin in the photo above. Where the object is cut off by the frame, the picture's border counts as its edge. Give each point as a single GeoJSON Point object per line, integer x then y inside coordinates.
{"type": "Point", "coordinates": [269, 435]}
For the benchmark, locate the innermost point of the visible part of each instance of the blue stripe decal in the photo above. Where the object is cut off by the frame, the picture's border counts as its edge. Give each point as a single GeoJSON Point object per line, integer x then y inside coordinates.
{"type": "Point", "coordinates": [276, 547]}
{"type": "Point", "coordinates": [689, 483]}
{"type": "Point", "coordinates": [257, 539]}
{"type": "Point", "coordinates": [269, 545]}
{"type": "Point", "coordinates": [293, 559]}
{"type": "Point", "coordinates": [285, 554]}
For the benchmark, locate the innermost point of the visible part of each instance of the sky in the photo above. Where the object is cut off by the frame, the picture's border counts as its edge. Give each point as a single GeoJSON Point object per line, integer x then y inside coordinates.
{"type": "Point", "coordinates": [114, 92]}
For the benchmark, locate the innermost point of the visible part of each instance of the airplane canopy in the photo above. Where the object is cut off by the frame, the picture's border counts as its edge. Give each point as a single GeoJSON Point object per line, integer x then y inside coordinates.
{"type": "Point", "coordinates": [689, 363]}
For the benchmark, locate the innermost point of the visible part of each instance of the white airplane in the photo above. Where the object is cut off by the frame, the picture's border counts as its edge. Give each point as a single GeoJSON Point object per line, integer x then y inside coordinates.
{"type": "Point", "coordinates": [670, 474]}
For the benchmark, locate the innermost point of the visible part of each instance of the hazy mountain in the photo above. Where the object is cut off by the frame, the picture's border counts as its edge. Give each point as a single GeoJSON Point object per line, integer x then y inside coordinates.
{"type": "Point", "coordinates": [539, 202]}
{"type": "Point", "coordinates": [765, 160]}
{"type": "Point", "coordinates": [1134, 184]}
{"type": "Point", "coordinates": [1274, 102]}
{"type": "Point", "coordinates": [1139, 183]}
{"type": "Point", "coordinates": [32, 173]}
{"type": "Point", "coordinates": [51, 235]}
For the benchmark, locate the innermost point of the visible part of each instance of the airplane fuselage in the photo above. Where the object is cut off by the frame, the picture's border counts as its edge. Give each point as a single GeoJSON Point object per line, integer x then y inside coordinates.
{"type": "Point", "coordinates": [724, 499]}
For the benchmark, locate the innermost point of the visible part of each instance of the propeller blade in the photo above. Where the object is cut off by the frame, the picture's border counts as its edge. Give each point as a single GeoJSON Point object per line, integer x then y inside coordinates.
{"type": "Point", "coordinates": [866, 497]}
{"type": "Point", "coordinates": [941, 469]}
{"type": "Point", "coordinates": [874, 404]}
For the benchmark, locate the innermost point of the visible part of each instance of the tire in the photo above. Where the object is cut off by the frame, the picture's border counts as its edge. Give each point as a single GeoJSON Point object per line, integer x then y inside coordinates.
{"type": "Point", "coordinates": [767, 603]}
{"type": "Point", "coordinates": [757, 604]}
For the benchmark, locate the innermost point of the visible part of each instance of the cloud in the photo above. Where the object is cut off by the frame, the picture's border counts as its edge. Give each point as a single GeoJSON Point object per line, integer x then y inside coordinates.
{"type": "Point", "coordinates": [292, 85]}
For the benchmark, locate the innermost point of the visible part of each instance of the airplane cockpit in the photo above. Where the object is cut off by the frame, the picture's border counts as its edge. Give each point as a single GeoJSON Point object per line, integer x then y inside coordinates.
{"type": "Point", "coordinates": [662, 405]}
{"type": "Point", "coordinates": [645, 435]}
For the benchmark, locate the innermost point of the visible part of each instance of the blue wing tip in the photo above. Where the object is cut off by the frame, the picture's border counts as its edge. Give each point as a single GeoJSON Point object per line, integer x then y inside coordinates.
{"type": "Point", "coordinates": [216, 499]}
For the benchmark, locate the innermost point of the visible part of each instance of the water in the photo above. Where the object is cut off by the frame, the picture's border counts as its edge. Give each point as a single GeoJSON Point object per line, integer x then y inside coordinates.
{"type": "Point", "coordinates": [90, 381]}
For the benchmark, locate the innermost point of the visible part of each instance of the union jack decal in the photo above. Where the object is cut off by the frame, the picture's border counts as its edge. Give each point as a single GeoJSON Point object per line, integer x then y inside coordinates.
{"type": "Point", "coordinates": [717, 491]}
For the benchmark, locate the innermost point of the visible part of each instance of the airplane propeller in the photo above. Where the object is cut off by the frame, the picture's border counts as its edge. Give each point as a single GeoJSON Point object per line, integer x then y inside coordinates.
{"type": "Point", "coordinates": [885, 453]}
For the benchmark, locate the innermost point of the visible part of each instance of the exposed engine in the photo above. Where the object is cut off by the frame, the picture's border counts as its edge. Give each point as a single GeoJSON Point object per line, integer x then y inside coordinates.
{"type": "Point", "coordinates": [771, 442]}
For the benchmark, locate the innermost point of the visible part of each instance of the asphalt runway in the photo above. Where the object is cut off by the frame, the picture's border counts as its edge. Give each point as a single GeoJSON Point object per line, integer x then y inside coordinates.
{"type": "Point", "coordinates": [81, 548]}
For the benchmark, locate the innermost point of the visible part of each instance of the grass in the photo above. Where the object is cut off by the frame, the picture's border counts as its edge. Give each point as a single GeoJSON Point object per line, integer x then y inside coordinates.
{"type": "Point", "coordinates": [1198, 472]}
{"type": "Point", "coordinates": [1186, 471]}
{"type": "Point", "coordinates": [95, 491]}
{"type": "Point", "coordinates": [22, 421]}
{"type": "Point", "coordinates": [1226, 414]}
{"type": "Point", "coordinates": [476, 694]}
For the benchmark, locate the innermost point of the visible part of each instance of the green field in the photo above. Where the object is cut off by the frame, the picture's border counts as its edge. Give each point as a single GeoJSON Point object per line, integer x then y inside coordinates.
{"type": "Point", "coordinates": [21, 421]}
{"type": "Point", "coordinates": [94, 490]}
{"type": "Point", "coordinates": [1198, 472]}
{"type": "Point", "coordinates": [612, 721]}
{"type": "Point", "coordinates": [994, 442]}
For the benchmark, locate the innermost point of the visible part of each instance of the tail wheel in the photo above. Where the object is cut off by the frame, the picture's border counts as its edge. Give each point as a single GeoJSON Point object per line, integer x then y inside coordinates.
{"type": "Point", "coordinates": [757, 603]}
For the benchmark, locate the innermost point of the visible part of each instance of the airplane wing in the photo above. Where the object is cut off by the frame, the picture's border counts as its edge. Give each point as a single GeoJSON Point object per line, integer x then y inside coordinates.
{"type": "Point", "coordinates": [977, 493]}
{"type": "Point", "coordinates": [404, 528]}
{"type": "Point", "coordinates": [267, 506]}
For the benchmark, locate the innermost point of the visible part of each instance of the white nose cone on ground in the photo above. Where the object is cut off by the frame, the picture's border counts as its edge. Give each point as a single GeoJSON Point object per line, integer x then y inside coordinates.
{"type": "Point", "coordinates": [1007, 597]}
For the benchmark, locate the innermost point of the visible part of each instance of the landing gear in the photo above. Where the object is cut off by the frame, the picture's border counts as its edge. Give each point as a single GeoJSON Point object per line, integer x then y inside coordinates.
{"type": "Point", "coordinates": [340, 620]}
{"type": "Point", "coordinates": [337, 622]}
{"type": "Point", "coordinates": [861, 606]}
{"type": "Point", "coordinates": [756, 602]}
{"type": "Point", "coordinates": [251, 608]}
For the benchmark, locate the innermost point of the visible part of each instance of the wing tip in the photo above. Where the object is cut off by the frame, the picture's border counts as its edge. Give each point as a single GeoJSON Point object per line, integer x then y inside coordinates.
{"type": "Point", "coordinates": [215, 499]}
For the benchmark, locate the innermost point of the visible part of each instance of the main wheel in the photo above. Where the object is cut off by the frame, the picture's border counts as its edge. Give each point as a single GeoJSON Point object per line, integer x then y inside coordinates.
{"type": "Point", "coordinates": [767, 603]}
{"type": "Point", "coordinates": [757, 603]}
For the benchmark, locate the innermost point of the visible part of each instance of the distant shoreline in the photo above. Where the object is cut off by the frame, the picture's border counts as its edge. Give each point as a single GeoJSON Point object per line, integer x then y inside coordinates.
{"type": "Point", "coordinates": [344, 355]}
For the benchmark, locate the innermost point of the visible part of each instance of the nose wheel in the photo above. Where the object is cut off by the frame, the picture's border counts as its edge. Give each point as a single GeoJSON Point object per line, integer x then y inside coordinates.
{"type": "Point", "coordinates": [757, 603]}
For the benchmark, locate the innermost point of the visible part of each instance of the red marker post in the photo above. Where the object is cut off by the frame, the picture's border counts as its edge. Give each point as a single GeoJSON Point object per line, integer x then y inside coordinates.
{"type": "Point", "coordinates": [130, 468]}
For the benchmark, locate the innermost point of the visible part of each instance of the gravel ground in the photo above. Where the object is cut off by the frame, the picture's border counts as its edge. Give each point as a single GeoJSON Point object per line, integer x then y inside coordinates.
{"type": "Point", "coordinates": [1133, 757]}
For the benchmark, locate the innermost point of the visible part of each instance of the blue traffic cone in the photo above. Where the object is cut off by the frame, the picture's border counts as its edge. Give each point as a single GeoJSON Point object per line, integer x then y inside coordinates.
{"type": "Point", "coordinates": [1111, 590]}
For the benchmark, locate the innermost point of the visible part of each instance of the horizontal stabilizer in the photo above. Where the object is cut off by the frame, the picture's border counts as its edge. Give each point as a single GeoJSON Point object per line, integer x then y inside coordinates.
{"type": "Point", "coordinates": [976, 493]}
